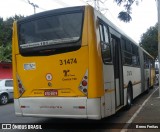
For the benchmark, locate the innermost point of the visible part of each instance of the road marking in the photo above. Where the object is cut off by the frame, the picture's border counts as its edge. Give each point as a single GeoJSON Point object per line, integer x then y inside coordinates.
{"type": "Point", "coordinates": [136, 113]}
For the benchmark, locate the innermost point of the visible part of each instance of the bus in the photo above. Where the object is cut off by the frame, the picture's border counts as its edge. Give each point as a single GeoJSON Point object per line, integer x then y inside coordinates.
{"type": "Point", "coordinates": [74, 63]}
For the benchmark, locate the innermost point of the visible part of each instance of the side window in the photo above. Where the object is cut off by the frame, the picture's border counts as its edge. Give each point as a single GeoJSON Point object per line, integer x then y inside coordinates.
{"type": "Point", "coordinates": [105, 45]}
{"type": "Point", "coordinates": [101, 32]}
{"type": "Point", "coordinates": [146, 60]}
{"type": "Point", "coordinates": [128, 47]}
{"type": "Point", "coordinates": [106, 36]}
{"type": "Point", "coordinates": [135, 55]}
{"type": "Point", "coordinates": [123, 42]}
{"type": "Point", "coordinates": [126, 52]}
{"type": "Point", "coordinates": [9, 83]}
{"type": "Point", "coordinates": [130, 54]}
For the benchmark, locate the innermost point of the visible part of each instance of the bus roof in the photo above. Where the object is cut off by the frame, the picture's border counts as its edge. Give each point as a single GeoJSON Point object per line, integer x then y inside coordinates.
{"type": "Point", "coordinates": [50, 12]}
{"type": "Point", "coordinates": [120, 31]}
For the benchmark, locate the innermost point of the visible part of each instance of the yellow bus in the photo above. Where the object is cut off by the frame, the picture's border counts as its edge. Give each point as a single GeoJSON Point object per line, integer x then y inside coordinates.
{"type": "Point", "coordinates": [74, 63]}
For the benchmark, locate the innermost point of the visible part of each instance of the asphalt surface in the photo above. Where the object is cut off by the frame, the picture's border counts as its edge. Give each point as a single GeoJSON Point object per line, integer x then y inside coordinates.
{"type": "Point", "coordinates": [147, 117]}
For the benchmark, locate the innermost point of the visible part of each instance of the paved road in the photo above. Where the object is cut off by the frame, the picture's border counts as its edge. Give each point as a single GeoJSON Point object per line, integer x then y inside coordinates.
{"type": "Point", "coordinates": [7, 116]}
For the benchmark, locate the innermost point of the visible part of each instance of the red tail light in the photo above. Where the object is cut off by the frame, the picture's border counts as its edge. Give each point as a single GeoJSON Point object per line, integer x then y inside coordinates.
{"type": "Point", "coordinates": [84, 83]}
{"type": "Point", "coordinates": [20, 86]}
{"type": "Point", "coordinates": [81, 107]}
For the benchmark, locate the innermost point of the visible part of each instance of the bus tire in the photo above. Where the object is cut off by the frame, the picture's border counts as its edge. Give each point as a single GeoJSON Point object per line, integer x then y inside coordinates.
{"type": "Point", "coordinates": [129, 96]}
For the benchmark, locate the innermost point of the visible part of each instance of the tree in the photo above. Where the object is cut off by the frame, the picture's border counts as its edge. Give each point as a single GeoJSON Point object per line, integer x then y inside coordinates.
{"type": "Point", "coordinates": [149, 41]}
{"type": "Point", "coordinates": [6, 37]}
{"type": "Point", "coordinates": [6, 53]}
{"type": "Point", "coordinates": [1, 32]}
{"type": "Point", "coordinates": [6, 29]}
{"type": "Point", "coordinates": [125, 15]}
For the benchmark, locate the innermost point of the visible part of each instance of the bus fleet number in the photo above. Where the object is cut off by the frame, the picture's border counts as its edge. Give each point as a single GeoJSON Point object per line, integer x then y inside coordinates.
{"type": "Point", "coordinates": [68, 61]}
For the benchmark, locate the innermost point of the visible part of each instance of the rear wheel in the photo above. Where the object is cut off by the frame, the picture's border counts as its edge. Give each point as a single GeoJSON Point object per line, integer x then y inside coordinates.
{"type": "Point", "coordinates": [3, 99]}
{"type": "Point", "coordinates": [129, 97]}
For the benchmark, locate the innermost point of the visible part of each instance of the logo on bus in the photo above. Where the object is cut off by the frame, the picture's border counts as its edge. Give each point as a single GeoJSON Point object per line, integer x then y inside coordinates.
{"type": "Point", "coordinates": [66, 72]}
{"type": "Point", "coordinates": [68, 76]}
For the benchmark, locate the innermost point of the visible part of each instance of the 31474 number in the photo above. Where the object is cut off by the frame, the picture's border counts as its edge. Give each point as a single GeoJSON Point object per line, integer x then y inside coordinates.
{"type": "Point", "coordinates": [68, 61]}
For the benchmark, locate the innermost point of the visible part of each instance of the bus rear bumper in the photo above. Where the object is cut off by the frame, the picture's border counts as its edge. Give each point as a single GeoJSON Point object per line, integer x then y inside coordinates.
{"type": "Point", "coordinates": [80, 108]}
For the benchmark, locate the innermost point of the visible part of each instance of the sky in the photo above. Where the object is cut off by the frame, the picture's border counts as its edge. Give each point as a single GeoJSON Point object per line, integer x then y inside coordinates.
{"type": "Point", "coordinates": [143, 16]}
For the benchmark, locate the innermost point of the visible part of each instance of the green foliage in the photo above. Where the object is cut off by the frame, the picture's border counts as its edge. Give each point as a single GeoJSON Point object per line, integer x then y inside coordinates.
{"type": "Point", "coordinates": [149, 41]}
{"type": "Point", "coordinates": [126, 14]}
{"type": "Point", "coordinates": [6, 53]}
{"type": "Point", "coordinates": [6, 37]}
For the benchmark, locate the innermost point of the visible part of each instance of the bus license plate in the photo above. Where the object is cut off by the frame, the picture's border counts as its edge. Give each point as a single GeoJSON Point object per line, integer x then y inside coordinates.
{"type": "Point", "coordinates": [51, 93]}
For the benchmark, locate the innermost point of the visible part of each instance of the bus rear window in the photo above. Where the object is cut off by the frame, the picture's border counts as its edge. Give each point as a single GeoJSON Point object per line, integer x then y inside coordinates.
{"type": "Point", "coordinates": [50, 32]}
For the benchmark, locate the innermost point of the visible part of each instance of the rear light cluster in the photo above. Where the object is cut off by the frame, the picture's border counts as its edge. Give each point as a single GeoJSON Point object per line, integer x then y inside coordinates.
{"type": "Point", "coordinates": [20, 86]}
{"type": "Point", "coordinates": [84, 84]}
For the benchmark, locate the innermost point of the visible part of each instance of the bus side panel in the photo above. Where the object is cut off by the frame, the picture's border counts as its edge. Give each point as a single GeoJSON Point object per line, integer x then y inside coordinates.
{"type": "Point", "coordinates": [108, 73]}
{"type": "Point", "coordinates": [94, 108]}
{"type": "Point", "coordinates": [95, 60]}
{"type": "Point", "coordinates": [14, 62]}
{"type": "Point", "coordinates": [142, 69]}
{"type": "Point", "coordinates": [146, 77]}
{"type": "Point", "coordinates": [17, 107]}
{"type": "Point", "coordinates": [152, 76]}
{"type": "Point", "coordinates": [133, 75]}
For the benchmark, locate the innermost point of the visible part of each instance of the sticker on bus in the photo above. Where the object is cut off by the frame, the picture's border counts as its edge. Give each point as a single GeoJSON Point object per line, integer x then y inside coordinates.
{"type": "Point", "coordinates": [29, 66]}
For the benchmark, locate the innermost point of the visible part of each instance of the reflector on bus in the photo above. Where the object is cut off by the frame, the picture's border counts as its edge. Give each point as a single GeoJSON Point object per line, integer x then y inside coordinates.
{"type": "Point", "coordinates": [20, 86]}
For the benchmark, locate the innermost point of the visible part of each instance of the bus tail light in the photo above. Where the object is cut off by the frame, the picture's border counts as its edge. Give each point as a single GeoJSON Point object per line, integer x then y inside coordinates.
{"type": "Point", "coordinates": [20, 86]}
{"type": "Point", "coordinates": [79, 107]}
{"type": "Point", "coordinates": [84, 84]}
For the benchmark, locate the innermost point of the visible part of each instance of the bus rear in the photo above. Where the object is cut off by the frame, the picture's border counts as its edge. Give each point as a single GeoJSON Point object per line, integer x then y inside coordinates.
{"type": "Point", "coordinates": [50, 64]}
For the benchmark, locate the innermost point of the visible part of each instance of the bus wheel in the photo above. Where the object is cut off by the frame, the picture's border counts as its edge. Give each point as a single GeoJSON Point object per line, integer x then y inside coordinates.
{"type": "Point", "coordinates": [129, 97]}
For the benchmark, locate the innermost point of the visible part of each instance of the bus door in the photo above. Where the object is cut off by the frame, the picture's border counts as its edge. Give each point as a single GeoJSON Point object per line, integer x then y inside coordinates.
{"type": "Point", "coordinates": [118, 70]}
